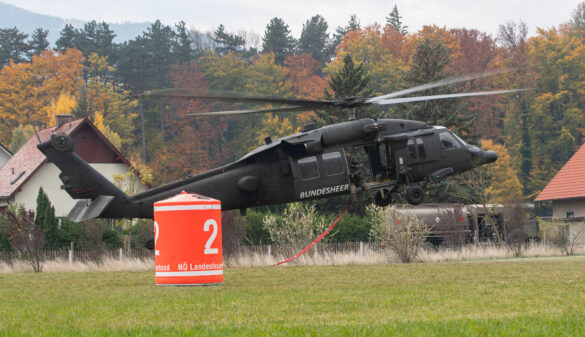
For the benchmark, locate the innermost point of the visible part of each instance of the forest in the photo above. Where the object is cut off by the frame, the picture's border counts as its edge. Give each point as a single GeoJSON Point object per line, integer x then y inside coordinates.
{"type": "Point", "coordinates": [87, 75]}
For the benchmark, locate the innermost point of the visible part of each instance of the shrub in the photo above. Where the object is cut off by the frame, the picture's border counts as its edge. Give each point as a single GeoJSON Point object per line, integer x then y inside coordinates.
{"type": "Point", "coordinates": [404, 233]}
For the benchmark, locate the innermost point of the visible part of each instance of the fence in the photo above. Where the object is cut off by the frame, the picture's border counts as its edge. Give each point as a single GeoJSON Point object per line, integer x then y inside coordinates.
{"type": "Point", "coordinates": [83, 255]}
{"type": "Point", "coordinates": [320, 248]}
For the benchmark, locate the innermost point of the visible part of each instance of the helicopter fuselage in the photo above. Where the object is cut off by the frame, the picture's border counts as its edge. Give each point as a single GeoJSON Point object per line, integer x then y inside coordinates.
{"type": "Point", "coordinates": [310, 164]}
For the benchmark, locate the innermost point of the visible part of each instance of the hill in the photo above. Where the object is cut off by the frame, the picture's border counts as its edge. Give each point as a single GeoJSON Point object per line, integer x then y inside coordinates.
{"type": "Point", "coordinates": [27, 21]}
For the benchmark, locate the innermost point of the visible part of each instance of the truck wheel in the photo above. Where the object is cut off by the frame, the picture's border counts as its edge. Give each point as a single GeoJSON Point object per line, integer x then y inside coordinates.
{"type": "Point", "coordinates": [383, 197]}
{"type": "Point", "coordinates": [415, 195]}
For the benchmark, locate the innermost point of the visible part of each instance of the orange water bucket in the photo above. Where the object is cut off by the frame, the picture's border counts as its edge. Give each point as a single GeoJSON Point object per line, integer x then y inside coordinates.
{"type": "Point", "coordinates": [187, 240]}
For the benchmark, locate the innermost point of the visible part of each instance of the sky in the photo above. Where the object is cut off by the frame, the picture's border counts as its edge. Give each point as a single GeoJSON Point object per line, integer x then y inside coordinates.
{"type": "Point", "coordinates": [249, 15]}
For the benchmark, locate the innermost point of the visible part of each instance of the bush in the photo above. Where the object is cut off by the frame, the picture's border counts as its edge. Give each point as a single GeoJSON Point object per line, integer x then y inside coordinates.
{"type": "Point", "coordinates": [256, 234]}
{"type": "Point", "coordinates": [351, 228]}
{"type": "Point", "coordinates": [299, 224]}
{"type": "Point", "coordinates": [404, 233]}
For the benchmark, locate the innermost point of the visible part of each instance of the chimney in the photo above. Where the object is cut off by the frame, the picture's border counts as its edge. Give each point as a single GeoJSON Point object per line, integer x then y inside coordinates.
{"type": "Point", "coordinates": [62, 120]}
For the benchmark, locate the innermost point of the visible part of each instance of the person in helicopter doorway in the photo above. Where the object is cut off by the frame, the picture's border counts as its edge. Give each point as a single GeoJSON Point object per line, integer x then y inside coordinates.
{"type": "Point", "coordinates": [356, 178]}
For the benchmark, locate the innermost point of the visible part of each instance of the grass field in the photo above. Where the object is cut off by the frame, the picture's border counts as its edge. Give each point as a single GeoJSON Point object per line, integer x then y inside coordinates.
{"type": "Point", "coordinates": [542, 296]}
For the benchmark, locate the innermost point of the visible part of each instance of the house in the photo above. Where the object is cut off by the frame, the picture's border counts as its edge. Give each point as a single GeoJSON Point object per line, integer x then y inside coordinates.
{"type": "Point", "coordinates": [28, 169]}
{"type": "Point", "coordinates": [5, 155]}
{"type": "Point", "coordinates": [567, 192]}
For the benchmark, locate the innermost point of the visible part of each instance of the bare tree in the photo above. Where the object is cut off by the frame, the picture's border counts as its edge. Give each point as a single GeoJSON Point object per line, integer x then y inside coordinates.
{"type": "Point", "coordinates": [24, 234]}
{"type": "Point", "coordinates": [563, 235]}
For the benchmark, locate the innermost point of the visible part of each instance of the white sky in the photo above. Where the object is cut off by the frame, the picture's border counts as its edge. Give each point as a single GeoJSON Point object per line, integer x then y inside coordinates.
{"type": "Point", "coordinates": [236, 15]}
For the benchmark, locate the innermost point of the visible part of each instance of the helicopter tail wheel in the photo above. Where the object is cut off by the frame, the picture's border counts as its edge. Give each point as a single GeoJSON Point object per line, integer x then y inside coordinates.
{"type": "Point", "coordinates": [383, 197]}
{"type": "Point", "coordinates": [415, 195]}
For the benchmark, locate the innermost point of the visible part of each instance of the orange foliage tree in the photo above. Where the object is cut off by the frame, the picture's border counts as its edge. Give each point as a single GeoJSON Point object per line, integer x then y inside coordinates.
{"type": "Point", "coordinates": [27, 89]}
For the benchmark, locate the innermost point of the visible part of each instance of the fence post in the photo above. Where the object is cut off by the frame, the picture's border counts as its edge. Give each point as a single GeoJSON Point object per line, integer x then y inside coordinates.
{"type": "Point", "coordinates": [269, 250]}
{"type": "Point", "coordinates": [316, 251]}
{"type": "Point", "coordinates": [71, 253]}
{"type": "Point", "coordinates": [121, 254]}
{"type": "Point", "coordinates": [361, 250]}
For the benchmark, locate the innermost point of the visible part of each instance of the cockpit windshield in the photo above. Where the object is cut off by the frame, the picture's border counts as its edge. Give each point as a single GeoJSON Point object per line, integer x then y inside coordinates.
{"type": "Point", "coordinates": [459, 139]}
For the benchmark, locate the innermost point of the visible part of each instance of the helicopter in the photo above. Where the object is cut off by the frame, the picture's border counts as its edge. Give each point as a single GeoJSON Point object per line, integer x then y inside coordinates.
{"type": "Point", "coordinates": [404, 156]}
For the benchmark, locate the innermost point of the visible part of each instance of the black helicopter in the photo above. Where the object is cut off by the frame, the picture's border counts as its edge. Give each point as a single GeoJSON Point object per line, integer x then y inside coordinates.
{"type": "Point", "coordinates": [310, 164]}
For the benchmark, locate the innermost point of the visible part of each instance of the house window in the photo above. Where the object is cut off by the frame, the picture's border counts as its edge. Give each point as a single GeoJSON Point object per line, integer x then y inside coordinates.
{"type": "Point", "coordinates": [570, 215]}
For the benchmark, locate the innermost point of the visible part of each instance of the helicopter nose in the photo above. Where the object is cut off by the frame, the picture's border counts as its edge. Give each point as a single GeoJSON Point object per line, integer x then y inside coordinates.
{"type": "Point", "coordinates": [481, 157]}
{"type": "Point", "coordinates": [489, 157]}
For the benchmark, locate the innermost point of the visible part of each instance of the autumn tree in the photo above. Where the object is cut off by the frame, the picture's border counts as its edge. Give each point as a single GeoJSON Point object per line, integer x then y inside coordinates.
{"type": "Point", "coordinates": [277, 39]}
{"type": "Point", "coordinates": [20, 135]}
{"type": "Point", "coordinates": [556, 111]}
{"type": "Point", "coordinates": [27, 89]}
{"type": "Point", "coordinates": [479, 55]}
{"type": "Point", "coordinates": [108, 106]}
{"type": "Point", "coordinates": [368, 46]}
{"type": "Point", "coordinates": [428, 65]}
{"type": "Point", "coordinates": [24, 235]}
{"type": "Point", "coordinates": [302, 82]}
{"type": "Point", "coordinates": [504, 185]}
{"type": "Point", "coordinates": [340, 31]}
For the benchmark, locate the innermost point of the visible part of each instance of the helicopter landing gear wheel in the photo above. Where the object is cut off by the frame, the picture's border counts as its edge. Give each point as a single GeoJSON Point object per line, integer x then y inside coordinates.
{"type": "Point", "coordinates": [415, 195]}
{"type": "Point", "coordinates": [383, 197]}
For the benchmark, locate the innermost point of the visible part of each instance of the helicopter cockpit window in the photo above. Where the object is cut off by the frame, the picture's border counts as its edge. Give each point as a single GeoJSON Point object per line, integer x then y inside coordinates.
{"type": "Point", "coordinates": [448, 141]}
{"type": "Point", "coordinates": [309, 168]}
{"type": "Point", "coordinates": [333, 164]}
{"type": "Point", "coordinates": [411, 149]}
{"type": "Point", "coordinates": [421, 148]}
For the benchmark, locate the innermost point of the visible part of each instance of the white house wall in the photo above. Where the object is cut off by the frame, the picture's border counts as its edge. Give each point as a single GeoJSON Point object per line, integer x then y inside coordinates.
{"type": "Point", "coordinates": [561, 207]}
{"type": "Point", "coordinates": [48, 177]}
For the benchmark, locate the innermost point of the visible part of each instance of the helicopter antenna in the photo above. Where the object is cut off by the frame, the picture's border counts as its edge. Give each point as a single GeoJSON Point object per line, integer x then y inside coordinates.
{"type": "Point", "coordinates": [39, 138]}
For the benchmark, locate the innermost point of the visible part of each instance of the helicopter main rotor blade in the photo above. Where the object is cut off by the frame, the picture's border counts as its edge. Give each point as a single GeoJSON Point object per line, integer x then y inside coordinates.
{"type": "Point", "coordinates": [242, 112]}
{"type": "Point", "coordinates": [440, 83]}
{"type": "Point", "coordinates": [433, 97]}
{"type": "Point", "coordinates": [190, 93]}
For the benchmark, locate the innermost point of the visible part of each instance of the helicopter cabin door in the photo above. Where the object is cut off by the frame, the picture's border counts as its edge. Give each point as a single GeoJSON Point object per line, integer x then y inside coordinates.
{"type": "Point", "coordinates": [321, 174]}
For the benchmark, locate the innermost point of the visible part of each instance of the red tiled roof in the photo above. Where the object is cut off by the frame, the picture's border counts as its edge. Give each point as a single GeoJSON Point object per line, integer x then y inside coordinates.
{"type": "Point", "coordinates": [569, 181]}
{"type": "Point", "coordinates": [29, 159]}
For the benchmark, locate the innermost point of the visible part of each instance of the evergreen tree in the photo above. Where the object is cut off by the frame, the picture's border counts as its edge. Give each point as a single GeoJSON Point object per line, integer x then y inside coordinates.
{"type": "Point", "coordinates": [395, 20]}
{"type": "Point", "coordinates": [38, 42]}
{"type": "Point", "coordinates": [96, 38]}
{"type": "Point", "coordinates": [66, 39]}
{"type": "Point", "coordinates": [428, 65]}
{"type": "Point", "coordinates": [315, 39]}
{"type": "Point", "coordinates": [348, 81]}
{"type": "Point", "coordinates": [277, 39]}
{"type": "Point", "coordinates": [46, 220]}
{"type": "Point", "coordinates": [226, 42]}
{"type": "Point", "coordinates": [182, 49]}
{"type": "Point", "coordinates": [13, 46]}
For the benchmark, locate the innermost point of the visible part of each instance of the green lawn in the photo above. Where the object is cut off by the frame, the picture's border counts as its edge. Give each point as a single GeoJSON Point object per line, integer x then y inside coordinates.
{"type": "Point", "coordinates": [543, 297]}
